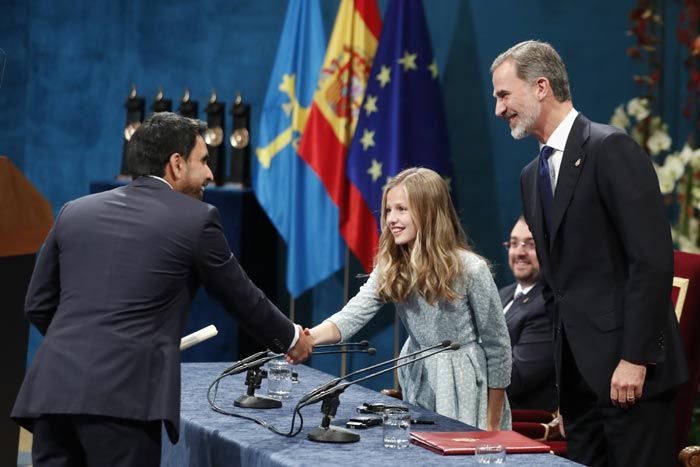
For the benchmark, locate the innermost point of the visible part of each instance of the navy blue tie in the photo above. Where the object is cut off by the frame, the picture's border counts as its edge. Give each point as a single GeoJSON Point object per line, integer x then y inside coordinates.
{"type": "Point", "coordinates": [545, 183]}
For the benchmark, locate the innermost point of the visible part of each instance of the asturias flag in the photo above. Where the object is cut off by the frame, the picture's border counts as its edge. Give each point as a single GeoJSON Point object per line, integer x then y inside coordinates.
{"type": "Point", "coordinates": [403, 121]}
{"type": "Point", "coordinates": [333, 117]}
{"type": "Point", "coordinates": [287, 188]}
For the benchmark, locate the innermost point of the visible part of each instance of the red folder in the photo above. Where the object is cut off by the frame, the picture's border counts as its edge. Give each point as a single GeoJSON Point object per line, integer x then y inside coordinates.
{"type": "Point", "coordinates": [465, 442]}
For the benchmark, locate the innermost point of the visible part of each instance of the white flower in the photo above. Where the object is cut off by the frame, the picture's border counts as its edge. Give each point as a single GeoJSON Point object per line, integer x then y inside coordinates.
{"type": "Point", "coordinates": [666, 181]}
{"type": "Point", "coordinates": [686, 154]}
{"type": "Point", "coordinates": [637, 135]}
{"type": "Point", "coordinates": [695, 160]}
{"type": "Point", "coordinates": [658, 141]}
{"type": "Point", "coordinates": [674, 167]}
{"type": "Point", "coordinates": [687, 244]}
{"type": "Point", "coordinates": [620, 118]}
{"type": "Point", "coordinates": [638, 108]}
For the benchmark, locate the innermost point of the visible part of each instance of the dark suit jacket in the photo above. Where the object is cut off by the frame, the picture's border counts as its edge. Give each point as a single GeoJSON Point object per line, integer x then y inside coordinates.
{"type": "Point", "coordinates": [607, 259]}
{"type": "Point", "coordinates": [532, 341]}
{"type": "Point", "coordinates": [110, 291]}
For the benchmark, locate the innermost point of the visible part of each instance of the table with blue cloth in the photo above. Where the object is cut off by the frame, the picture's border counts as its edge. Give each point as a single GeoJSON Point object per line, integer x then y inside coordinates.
{"type": "Point", "coordinates": [209, 439]}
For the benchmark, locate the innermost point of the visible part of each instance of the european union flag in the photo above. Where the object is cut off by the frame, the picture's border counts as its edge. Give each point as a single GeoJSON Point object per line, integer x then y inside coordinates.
{"type": "Point", "coordinates": [403, 120]}
{"type": "Point", "coordinates": [287, 188]}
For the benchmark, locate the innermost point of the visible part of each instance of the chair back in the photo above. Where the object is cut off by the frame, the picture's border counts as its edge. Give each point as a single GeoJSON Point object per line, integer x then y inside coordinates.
{"type": "Point", "coordinates": [686, 299]}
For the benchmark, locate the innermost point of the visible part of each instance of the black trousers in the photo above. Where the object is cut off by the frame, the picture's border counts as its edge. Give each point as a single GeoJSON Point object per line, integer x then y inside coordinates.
{"type": "Point", "coordinates": [600, 434]}
{"type": "Point", "coordinates": [95, 441]}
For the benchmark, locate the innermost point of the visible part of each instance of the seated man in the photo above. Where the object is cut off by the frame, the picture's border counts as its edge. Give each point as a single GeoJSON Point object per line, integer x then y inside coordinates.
{"type": "Point", "coordinates": [532, 383]}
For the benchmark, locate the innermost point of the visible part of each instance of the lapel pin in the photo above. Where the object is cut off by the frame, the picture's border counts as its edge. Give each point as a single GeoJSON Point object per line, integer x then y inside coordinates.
{"type": "Point", "coordinates": [578, 162]}
{"type": "Point", "coordinates": [526, 299]}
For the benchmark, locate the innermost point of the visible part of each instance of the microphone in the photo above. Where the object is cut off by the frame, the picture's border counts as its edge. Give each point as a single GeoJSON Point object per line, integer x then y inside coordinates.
{"type": "Point", "coordinates": [253, 363]}
{"type": "Point", "coordinates": [370, 351]}
{"type": "Point", "coordinates": [342, 387]}
{"type": "Point", "coordinates": [326, 433]}
{"type": "Point", "coordinates": [363, 344]}
{"type": "Point", "coordinates": [335, 381]}
{"type": "Point", "coordinates": [245, 360]}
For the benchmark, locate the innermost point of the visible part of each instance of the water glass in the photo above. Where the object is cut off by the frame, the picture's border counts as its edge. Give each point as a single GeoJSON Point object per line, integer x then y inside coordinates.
{"type": "Point", "coordinates": [279, 379]}
{"type": "Point", "coordinates": [490, 454]}
{"type": "Point", "coordinates": [397, 428]}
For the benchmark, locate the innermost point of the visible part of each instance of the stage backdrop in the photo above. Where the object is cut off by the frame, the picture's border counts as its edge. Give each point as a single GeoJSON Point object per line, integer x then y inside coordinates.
{"type": "Point", "coordinates": [70, 65]}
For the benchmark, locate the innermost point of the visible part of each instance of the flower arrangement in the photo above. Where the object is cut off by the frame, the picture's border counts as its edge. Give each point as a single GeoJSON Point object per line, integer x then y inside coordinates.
{"type": "Point", "coordinates": [678, 171]}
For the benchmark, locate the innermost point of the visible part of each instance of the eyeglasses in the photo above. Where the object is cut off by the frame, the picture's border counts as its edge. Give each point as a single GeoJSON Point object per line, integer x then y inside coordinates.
{"type": "Point", "coordinates": [529, 244]}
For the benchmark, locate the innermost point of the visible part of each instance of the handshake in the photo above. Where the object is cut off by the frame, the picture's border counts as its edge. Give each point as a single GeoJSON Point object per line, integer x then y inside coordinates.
{"type": "Point", "coordinates": [303, 348]}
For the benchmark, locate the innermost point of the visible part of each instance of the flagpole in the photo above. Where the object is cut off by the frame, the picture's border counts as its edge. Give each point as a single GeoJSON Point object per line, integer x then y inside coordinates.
{"type": "Point", "coordinates": [396, 344]}
{"type": "Point", "coordinates": [346, 293]}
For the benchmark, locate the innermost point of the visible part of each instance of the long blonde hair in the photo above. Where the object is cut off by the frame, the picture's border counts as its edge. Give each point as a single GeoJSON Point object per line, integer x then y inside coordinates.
{"type": "Point", "coordinates": [431, 264]}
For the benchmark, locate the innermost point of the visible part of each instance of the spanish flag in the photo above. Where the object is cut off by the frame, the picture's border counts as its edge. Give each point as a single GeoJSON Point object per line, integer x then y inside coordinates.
{"type": "Point", "coordinates": [333, 117]}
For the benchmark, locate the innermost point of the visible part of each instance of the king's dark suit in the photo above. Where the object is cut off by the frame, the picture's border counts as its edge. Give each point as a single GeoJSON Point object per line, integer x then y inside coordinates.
{"type": "Point", "coordinates": [110, 291]}
{"type": "Point", "coordinates": [532, 343]}
{"type": "Point", "coordinates": [606, 260]}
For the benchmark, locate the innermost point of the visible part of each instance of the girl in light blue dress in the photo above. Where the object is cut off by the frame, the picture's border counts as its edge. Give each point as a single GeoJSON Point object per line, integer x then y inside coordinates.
{"type": "Point", "coordinates": [442, 290]}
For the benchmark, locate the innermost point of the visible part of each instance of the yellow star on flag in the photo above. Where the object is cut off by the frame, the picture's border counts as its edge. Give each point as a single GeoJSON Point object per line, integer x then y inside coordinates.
{"type": "Point", "coordinates": [371, 105]}
{"type": "Point", "coordinates": [408, 61]}
{"type": "Point", "coordinates": [384, 76]}
{"type": "Point", "coordinates": [376, 170]}
{"type": "Point", "coordinates": [367, 139]}
{"type": "Point", "coordinates": [433, 69]}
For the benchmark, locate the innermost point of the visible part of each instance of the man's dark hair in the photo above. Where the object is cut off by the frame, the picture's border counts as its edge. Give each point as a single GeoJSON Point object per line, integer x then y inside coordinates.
{"type": "Point", "coordinates": [160, 136]}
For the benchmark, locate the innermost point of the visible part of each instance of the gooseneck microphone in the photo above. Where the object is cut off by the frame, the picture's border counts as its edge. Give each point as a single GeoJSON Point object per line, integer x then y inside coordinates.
{"type": "Point", "coordinates": [253, 363]}
{"type": "Point", "coordinates": [363, 344]}
{"type": "Point", "coordinates": [370, 351]}
{"type": "Point", "coordinates": [330, 397]}
{"type": "Point", "coordinates": [342, 387]}
{"type": "Point", "coordinates": [249, 359]}
{"type": "Point", "coordinates": [335, 381]}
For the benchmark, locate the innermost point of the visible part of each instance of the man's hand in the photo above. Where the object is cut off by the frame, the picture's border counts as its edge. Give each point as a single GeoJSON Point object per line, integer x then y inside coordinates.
{"type": "Point", "coordinates": [302, 349]}
{"type": "Point", "coordinates": [627, 383]}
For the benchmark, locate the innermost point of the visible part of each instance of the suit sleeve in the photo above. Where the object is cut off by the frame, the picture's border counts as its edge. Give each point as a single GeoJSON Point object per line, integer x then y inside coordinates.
{"type": "Point", "coordinates": [630, 191]}
{"type": "Point", "coordinates": [533, 350]}
{"type": "Point", "coordinates": [44, 290]}
{"type": "Point", "coordinates": [226, 281]}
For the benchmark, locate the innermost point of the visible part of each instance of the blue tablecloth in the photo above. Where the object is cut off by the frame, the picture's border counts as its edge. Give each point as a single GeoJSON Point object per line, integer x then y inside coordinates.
{"type": "Point", "coordinates": [209, 439]}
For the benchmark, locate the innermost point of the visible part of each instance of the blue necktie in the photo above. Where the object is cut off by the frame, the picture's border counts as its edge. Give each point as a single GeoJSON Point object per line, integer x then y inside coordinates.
{"type": "Point", "coordinates": [545, 183]}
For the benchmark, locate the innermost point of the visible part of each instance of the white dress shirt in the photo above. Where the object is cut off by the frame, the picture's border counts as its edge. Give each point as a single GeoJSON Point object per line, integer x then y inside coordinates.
{"type": "Point", "coordinates": [557, 141]}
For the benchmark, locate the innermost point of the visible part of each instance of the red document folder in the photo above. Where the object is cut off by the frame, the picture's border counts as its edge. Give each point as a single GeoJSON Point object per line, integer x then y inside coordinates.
{"type": "Point", "coordinates": [465, 442]}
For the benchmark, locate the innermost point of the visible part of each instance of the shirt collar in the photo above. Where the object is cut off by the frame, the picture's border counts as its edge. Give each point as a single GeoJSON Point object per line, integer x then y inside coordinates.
{"type": "Point", "coordinates": [557, 139]}
{"type": "Point", "coordinates": [524, 290]}
{"type": "Point", "coordinates": [161, 179]}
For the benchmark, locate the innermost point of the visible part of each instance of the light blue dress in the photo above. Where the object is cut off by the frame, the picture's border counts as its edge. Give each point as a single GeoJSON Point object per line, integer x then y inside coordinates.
{"type": "Point", "coordinates": [452, 383]}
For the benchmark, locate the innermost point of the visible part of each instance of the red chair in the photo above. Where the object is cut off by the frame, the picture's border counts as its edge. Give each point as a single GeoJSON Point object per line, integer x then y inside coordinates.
{"type": "Point", "coordinates": [686, 297]}
{"type": "Point", "coordinates": [542, 426]}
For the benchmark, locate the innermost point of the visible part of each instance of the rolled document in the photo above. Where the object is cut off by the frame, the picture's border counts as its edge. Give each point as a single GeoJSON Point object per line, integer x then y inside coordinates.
{"type": "Point", "coordinates": [197, 337]}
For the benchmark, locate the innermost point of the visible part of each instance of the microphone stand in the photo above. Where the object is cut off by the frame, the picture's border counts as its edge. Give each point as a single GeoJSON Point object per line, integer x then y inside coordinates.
{"type": "Point", "coordinates": [326, 433]}
{"type": "Point", "coordinates": [253, 379]}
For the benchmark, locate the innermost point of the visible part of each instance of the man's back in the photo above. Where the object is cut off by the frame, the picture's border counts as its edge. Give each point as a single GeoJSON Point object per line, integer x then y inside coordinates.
{"type": "Point", "coordinates": [119, 269]}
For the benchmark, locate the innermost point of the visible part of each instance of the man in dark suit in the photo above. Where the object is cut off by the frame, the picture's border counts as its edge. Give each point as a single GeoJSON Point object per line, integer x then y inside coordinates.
{"type": "Point", "coordinates": [604, 246]}
{"type": "Point", "coordinates": [110, 292]}
{"type": "Point", "coordinates": [529, 326]}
